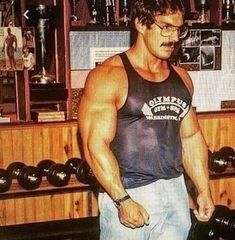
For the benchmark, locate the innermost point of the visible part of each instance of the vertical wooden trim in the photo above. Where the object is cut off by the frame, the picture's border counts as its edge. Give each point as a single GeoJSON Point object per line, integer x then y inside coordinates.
{"type": "Point", "coordinates": [216, 12]}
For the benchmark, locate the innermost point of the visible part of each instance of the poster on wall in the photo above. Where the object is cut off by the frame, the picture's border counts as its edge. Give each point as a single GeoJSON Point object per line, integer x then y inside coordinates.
{"type": "Point", "coordinates": [201, 50]}
{"type": "Point", "coordinates": [17, 48]}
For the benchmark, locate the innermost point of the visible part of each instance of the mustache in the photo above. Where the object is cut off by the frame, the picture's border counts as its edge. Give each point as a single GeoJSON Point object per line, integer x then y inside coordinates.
{"type": "Point", "coordinates": [168, 44]}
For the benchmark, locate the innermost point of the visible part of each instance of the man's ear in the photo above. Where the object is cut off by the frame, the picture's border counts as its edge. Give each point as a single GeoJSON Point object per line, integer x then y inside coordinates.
{"type": "Point", "coordinates": [139, 26]}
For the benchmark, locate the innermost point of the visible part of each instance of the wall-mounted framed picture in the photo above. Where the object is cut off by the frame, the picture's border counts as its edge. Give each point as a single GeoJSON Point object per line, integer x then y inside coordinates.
{"type": "Point", "coordinates": [17, 48]}
{"type": "Point", "coordinates": [201, 50]}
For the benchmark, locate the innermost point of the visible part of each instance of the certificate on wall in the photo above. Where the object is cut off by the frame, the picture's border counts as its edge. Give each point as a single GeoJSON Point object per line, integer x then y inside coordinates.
{"type": "Point", "coordinates": [100, 54]}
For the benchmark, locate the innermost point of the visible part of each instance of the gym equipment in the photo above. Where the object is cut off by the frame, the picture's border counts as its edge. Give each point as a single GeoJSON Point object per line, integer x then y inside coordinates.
{"type": "Point", "coordinates": [28, 177]}
{"type": "Point", "coordinates": [14, 169]}
{"type": "Point", "coordinates": [73, 163]}
{"type": "Point", "coordinates": [44, 165]}
{"type": "Point", "coordinates": [82, 170]}
{"type": "Point", "coordinates": [84, 174]}
{"type": "Point", "coordinates": [57, 174]}
{"type": "Point", "coordinates": [220, 225]}
{"type": "Point", "coordinates": [218, 162]}
{"type": "Point", "coordinates": [5, 180]}
{"type": "Point", "coordinates": [229, 154]}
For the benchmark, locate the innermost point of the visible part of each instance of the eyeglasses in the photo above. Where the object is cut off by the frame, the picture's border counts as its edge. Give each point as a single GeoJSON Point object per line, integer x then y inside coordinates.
{"type": "Point", "coordinates": [167, 30]}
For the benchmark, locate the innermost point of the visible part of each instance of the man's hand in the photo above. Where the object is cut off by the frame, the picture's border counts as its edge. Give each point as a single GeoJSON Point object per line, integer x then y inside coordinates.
{"type": "Point", "coordinates": [205, 207]}
{"type": "Point", "coordinates": [132, 215]}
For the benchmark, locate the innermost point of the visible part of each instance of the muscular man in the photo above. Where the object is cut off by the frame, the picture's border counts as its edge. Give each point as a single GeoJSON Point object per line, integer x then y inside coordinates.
{"type": "Point", "coordinates": [11, 47]}
{"type": "Point", "coordinates": [139, 132]}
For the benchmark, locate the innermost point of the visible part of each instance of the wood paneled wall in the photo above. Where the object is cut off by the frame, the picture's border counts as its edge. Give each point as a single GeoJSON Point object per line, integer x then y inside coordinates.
{"type": "Point", "coordinates": [47, 208]}
{"type": "Point", "coordinates": [30, 144]}
{"type": "Point", "coordinates": [58, 141]}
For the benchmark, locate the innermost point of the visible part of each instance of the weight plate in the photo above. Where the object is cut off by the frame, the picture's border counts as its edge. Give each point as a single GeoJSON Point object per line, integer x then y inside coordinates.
{"type": "Point", "coordinates": [81, 174]}
{"type": "Point", "coordinates": [58, 175]}
{"type": "Point", "coordinates": [72, 164]}
{"type": "Point", "coordinates": [29, 178]}
{"type": "Point", "coordinates": [14, 169]}
{"type": "Point", "coordinates": [84, 174]}
{"type": "Point", "coordinates": [44, 165]}
{"type": "Point", "coordinates": [217, 162]}
{"type": "Point", "coordinates": [228, 153]}
{"type": "Point", "coordinates": [5, 180]}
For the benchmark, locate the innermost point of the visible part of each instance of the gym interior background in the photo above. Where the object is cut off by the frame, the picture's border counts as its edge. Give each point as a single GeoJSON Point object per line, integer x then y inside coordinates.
{"type": "Point", "coordinates": [46, 190]}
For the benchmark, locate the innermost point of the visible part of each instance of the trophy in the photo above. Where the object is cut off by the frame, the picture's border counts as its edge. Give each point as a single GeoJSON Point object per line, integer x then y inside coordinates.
{"type": "Point", "coordinates": [102, 12]}
{"type": "Point", "coordinates": [124, 20]}
{"type": "Point", "coordinates": [43, 15]}
{"type": "Point", "coordinates": [227, 4]}
{"type": "Point", "coordinates": [93, 13]}
{"type": "Point", "coordinates": [111, 18]}
{"type": "Point", "coordinates": [203, 8]}
{"type": "Point", "coordinates": [74, 16]}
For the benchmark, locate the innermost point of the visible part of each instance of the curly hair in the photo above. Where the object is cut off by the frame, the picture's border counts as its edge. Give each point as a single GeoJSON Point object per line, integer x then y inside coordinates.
{"type": "Point", "coordinates": [145, 10]}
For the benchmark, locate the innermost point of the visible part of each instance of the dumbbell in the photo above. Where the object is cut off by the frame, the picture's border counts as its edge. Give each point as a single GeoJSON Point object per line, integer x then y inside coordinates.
{"type": "Point", "coordinates": [229, 154]}
{"type": "Point", "coordinates": [28, 177]}
{"type": "Point", "coordinates": [84, 174]}
{"type": "Point", "coordinates": [57, 174]}
{"type": "Point", "coordinates": [5, 180]}
{"type": "Point", "coordinates": [44, 165]}
{"type": "Point", "coordinates": [220, 225]}
{"type": "Point", "coordinates": [73, 163]}
{"type": "Point", "coordinates": [219, 160]}
{"type": "Point", "coordinates": [82, 170]}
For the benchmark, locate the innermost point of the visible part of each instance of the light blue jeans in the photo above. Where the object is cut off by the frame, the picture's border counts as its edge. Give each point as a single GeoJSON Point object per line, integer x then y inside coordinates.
{"type": "Point", "coordinates": [166, 201]}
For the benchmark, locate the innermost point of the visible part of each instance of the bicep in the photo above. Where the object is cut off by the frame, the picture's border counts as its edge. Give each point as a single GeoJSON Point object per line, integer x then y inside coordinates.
{"type": "Point", "coordinates": [96, 121]}
{"type": "Point", "coordinates": [97, 112]}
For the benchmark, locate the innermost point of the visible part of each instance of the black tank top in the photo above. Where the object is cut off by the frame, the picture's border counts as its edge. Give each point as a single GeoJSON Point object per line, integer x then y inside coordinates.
{"type": "Point", "coordinates": [147, 143]}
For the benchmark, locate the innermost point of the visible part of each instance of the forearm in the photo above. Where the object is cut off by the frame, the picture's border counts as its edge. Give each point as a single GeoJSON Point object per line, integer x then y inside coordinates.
{"type": "Point", "coordinates": [106, 169]}
{"type": "Point", "coordinates": [195, 161]}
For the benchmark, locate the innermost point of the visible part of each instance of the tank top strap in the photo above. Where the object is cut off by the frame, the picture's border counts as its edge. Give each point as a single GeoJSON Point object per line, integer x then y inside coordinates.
{"type": "Point", "coordinates": [127, 65]}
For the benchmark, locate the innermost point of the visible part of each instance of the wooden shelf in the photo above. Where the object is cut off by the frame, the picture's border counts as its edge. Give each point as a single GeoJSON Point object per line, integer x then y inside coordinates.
{"type": "Point", "coordinates": [16, 191]}
{"type": "Point", "coordinates": [229, 172]}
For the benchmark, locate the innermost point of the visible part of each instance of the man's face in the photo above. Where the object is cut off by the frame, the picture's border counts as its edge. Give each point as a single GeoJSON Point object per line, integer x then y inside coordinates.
{"type": "Point", "coordinates": [158, 43]}
{"type": "Point", "coordinates": [26, 51]}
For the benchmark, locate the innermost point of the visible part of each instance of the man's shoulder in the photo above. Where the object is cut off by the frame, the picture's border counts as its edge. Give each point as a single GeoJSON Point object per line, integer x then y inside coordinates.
{"type": "Point", "coordinates": [111, 69]}
{"type": "Point", "coordinates": [183, 73]}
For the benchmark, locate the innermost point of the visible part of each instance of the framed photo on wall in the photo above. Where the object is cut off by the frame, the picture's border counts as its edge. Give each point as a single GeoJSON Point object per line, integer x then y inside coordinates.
{"type": "Point", "coordinates": [201, 50]}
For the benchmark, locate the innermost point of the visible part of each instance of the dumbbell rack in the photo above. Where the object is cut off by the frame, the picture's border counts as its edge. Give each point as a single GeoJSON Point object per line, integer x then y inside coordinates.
{"type": "Point", "coordinates": [45, 188]}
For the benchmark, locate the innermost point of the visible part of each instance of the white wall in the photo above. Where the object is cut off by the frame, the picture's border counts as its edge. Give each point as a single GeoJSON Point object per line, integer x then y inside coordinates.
{"type": "Point", "coordinates": [213, 86]}
{"type": "Point", "coordinates": [210, 86]}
